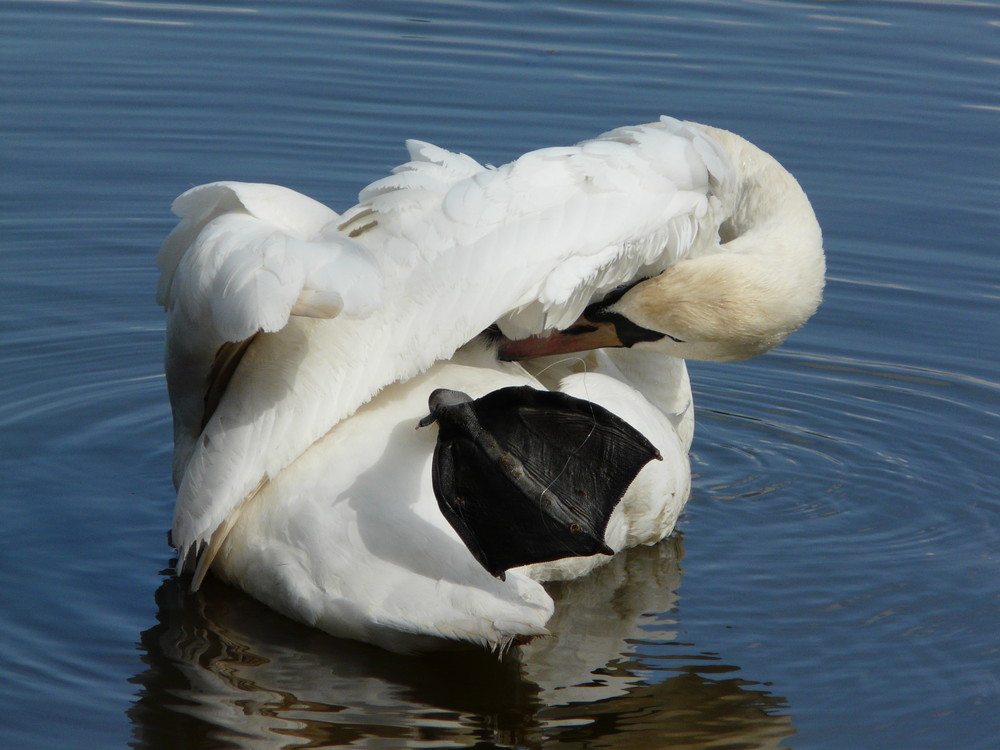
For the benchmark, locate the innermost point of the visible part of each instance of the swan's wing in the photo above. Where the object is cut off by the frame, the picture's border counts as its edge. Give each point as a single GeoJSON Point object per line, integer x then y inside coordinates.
{"type": "Point", "coordinates": [243, 259]}
{"type": "Point", "coordinates": [461, 246]}
{"type": "Point", "coordinates": [655, 190]}
{"type": "Point", "coordinates": [569, 223]}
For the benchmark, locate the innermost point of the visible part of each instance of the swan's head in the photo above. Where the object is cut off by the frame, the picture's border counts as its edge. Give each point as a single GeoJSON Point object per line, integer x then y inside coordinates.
{"type": "Point", "coordinates": [714, 308]}
{"type": "Point", "coordinates": [725, 306]}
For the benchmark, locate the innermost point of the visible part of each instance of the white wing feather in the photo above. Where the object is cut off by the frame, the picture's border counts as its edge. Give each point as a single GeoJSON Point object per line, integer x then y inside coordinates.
{"type": "Point", "coordinates": [243, 259]}
{"type": "Point", "coordinates": [528, 244]}
{"type": "Point", "coordinates": [251, 251]}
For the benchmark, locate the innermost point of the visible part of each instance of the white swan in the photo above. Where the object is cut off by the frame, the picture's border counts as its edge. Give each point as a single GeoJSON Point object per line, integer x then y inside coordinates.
{"type": "Point", "coordinates": [284, 319]}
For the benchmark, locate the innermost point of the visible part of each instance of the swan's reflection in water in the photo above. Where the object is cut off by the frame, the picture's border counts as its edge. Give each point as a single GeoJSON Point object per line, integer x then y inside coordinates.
{"type": "Point", "coordinates": [224, 671]}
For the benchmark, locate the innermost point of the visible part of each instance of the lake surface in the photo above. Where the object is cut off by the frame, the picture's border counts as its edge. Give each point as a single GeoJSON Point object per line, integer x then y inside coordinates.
{"type": "Point", "coordinates": [835, 582]}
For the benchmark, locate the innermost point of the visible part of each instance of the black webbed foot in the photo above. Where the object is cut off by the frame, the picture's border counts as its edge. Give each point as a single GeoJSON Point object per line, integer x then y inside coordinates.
{"type": "Point", "coordinates": [528, 476]}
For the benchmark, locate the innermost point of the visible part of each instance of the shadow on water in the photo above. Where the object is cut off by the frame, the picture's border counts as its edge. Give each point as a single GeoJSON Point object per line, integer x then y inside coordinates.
{"type": "Point", "coordinates": [224, 671]}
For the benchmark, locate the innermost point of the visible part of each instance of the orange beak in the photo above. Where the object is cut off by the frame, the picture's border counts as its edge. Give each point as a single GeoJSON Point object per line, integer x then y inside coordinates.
{"type": "Point", "coordinates": [583, 335]}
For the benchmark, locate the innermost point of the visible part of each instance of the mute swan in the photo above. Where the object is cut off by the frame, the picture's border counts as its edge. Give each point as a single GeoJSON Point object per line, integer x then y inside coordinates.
{"type": "Point", "coordinates": [302, 347]}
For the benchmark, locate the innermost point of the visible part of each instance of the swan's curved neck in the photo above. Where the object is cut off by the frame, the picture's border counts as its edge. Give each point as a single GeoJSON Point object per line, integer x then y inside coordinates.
{"type": "Point", "coordinates": [766, 202]}
{"type": "Point", "coordinates": [761, 281]}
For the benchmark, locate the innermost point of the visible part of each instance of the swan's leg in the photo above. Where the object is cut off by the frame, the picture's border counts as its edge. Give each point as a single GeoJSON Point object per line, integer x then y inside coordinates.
{"type": "Point", "coordinates": [528, 476]}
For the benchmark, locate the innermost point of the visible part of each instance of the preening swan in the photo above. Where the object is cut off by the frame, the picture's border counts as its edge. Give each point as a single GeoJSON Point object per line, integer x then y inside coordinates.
{"type": "Point", "coordinates": [302, 347]}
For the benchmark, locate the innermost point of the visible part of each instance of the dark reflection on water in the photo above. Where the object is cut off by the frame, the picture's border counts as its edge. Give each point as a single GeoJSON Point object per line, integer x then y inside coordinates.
{"type": "Point", "coordinates": [224, 671]}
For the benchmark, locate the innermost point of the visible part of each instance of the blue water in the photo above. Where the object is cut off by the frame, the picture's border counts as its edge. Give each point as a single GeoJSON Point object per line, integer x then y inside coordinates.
{"type": "Point", "coordinates": [835, 580]}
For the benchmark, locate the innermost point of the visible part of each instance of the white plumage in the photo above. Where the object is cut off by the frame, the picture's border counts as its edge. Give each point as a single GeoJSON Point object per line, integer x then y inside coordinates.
{"type": "Point", "coordinates": [285, 319]}
{"type": "Point", "coordinates": [349, 538]}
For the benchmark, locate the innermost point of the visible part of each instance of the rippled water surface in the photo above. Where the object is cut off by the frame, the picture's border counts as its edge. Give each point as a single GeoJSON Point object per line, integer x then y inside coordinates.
{"type": "Point", "coordinates": [834, 583]}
